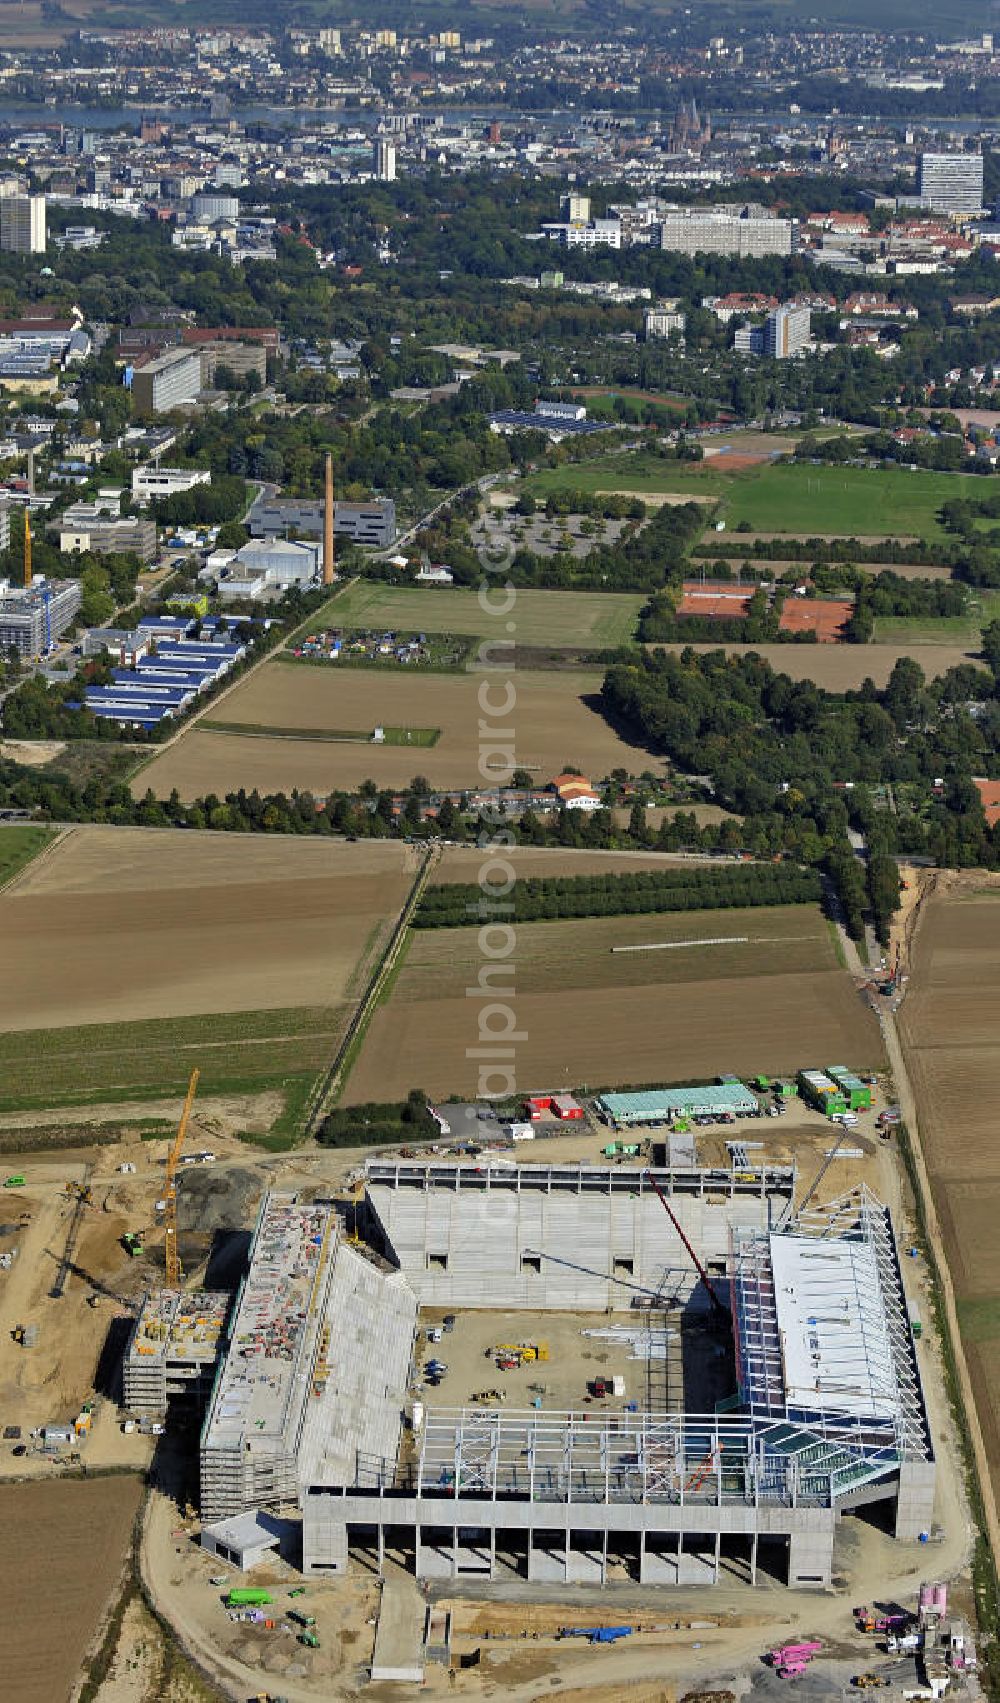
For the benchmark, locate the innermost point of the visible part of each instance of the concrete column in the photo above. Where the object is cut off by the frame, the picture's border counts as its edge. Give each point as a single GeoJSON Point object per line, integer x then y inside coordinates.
{"type": "Point", "coordinates": [915, 1501]}
{"type": "Point", "coordinates": [810, 1557]}
{"type": "Point", "coordinates": [718, 1556]}
{"type": "Point", "coordinates": [381, 1548]}
{"type": "Point", "coordinates": [753, 1560]}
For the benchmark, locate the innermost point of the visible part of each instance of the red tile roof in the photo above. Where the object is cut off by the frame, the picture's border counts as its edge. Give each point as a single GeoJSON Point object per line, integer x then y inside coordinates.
{"type": "Point", "coordinates": [989, 792]}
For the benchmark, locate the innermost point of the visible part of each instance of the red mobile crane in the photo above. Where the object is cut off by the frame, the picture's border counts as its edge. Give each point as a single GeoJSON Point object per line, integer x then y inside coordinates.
{"type": "Point", "coordinates": [718, 1307]}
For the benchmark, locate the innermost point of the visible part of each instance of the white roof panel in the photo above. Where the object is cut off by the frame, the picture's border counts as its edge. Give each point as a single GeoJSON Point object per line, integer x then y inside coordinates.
{"type": "Point", "coordinates": [831, 1321]}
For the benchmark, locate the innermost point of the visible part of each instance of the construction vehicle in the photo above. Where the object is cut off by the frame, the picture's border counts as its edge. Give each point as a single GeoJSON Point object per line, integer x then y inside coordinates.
{"type": "Point", "coordinates": [489, 1395]}
{"type": "Point", "coordinates": [304, 1620]}
{"type": "Point", "coordinates": [132, 1243]}
{"type": "Point", "coordinates": [873, 1620]}
{"type": "Point", "coordinates": [309, 1639]}
{"type": "Point", "coordinates": [80, 1191]}
{"type": "Point", "coordinates": [719, 1307]}
{"type": "Point", "coordinates": [172, 1256]}
{"type": "Point", "coordinates": [25, 1335]}
{"type": "Point", "coordinates": [870, 1682]}
{"type": "Point", "coordinates": [790, 1660]}
{"type": "Point", "coordinates": [596, 1634]}
{"type": "Point", "coordinates": [509, 1355]}
{"type": "Point", "coordinates": [15, 1182]}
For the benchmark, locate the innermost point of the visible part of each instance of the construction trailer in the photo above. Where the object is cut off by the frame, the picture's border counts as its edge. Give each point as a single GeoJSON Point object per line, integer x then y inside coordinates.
{"type": "Point", "coordinates": [653, 1106]}
{"type": "Point", "coordinates": [858, 1094]}
{"type": "Point", "coordinates": [822, 1092]}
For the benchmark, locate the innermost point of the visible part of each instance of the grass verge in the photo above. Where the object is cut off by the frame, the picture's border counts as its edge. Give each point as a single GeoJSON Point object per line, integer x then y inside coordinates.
{"type": "Point", "coordinates": [419, 736]}
{"type": "Point", "coordinates": [18, 846]}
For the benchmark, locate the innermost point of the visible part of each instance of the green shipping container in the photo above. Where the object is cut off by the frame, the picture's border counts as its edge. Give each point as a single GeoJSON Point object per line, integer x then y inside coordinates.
{"type": "Point", "coordinates": [245, 1597]}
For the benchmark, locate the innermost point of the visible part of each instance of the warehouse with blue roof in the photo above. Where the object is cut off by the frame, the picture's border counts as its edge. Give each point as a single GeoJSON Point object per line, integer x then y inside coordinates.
{"type": "Point", "coordinates": [163, 684]}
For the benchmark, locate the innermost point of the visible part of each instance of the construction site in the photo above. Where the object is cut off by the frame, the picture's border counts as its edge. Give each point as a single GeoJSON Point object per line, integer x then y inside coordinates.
{"type": "Point", "coordinates": [465, 1398]}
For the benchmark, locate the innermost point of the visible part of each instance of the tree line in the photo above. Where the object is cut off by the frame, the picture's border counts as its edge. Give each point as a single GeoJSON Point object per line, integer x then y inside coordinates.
{"type": "Point", "coordinates": [691, 887]}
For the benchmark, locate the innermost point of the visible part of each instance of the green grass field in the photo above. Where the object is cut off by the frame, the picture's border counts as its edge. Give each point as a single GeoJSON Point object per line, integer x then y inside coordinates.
{"type": "Point", "coordinates": [630, 472]}
{"type": "Point", "coordinates": [423, 736]}
{"type": "Point", "coordinates": [241, 1052]}
{"type": "Point", "coordinates": [18, 846]}
{"type": "Point", "coordinates": [948, 630]}
{"type": "Point", "coordinates": [848, 500]}
{"type": "Point", "coordinates": [583, 620]}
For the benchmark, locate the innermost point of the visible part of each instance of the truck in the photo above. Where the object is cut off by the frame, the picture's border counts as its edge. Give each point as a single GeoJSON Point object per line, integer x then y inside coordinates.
{"type": "Point", "coordinates": [16, 1181]}
{"type": "Point", "coordinates": [789, 1660]}
{"type": "Point", "coordinates": [596, 1634]}
{"type": "Point", "coordinates": [301, 1619]}
{"type": "Point", "coordinates": [915, 1325]}
{"type": "Point", "coordinates": [248, 1596]}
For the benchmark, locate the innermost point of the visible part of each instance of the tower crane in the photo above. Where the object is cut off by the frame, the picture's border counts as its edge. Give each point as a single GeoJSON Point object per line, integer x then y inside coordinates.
{"type": "Point", "coordinates": [719, 1307]}
{"type": "Point", "coordinates": [173, 1160]}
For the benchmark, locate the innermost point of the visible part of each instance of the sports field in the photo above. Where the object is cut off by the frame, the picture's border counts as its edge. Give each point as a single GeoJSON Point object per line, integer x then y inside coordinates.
{"type": "Point", "coordinates": [561, 619]}
{"type": "Point", "coordinates": [587, 1015]}
{"type": "Point", "coordinates": [950, 1029]}
{"type": "Point", "coordinates": [848, 501]}
{"type": "Point", "coordinates": [133, 955]}
{"type": "Point", "coordinates": [984, 606]}
{"type": "Point", "coordinates": [555, 717]}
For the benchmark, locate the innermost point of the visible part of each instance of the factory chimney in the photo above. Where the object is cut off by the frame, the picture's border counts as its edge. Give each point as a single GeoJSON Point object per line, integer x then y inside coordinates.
{"type": "Point", "coordinates": [328, 575]}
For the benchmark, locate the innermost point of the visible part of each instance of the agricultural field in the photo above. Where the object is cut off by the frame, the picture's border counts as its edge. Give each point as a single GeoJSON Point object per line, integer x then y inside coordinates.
{"type": "Point", "coordinates": [557, 722]}
{"type": "Point", "coordinates": [62, 1548]}
{"type": "Point", "coordinates": [562, 619]}
{"type": "Point", "coordinates": [840, 668]}
{"type": "Point", "coordinates": [842, 501]}
{"type": "Point", "coordinates": [769, 997]}
{"type": "Point", "coordinates": [463, 863]}
{"type": "Point", "coordinates": [134, 954]}
{"type": "Point", "coordinates": [949, 1025]}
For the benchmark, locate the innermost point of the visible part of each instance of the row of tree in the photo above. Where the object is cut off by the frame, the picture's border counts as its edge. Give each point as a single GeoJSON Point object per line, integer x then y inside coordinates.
{"type": "Point", "coordinates": [692, 887]}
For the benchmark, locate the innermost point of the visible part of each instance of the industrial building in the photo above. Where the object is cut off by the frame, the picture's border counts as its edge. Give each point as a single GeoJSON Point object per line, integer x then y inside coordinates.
{"type": "Point", "coordinates": [95, 528]}
{"type": "Point", "coordinates": [715, 1282]}
{"type": "Point", "coordinates": [654, 1106]}
{"type": "Point", "coordinates": [33, 617]}
{"type": "Point", "coordinates": [174, 1349]}
{"type": "Point", "coordinates": [171, 380]}
{"type": "Point", "coordinates": [164, 685]}
{"type": "Point", "coordinates": [372, 523]}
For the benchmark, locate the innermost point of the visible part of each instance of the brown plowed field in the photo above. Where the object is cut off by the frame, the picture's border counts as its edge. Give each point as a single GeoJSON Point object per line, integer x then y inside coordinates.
{"type": "Point", "coordinates": [62, 1546]}
{"type": "Point", "coordinates": [556, 721]}
{"type": "Point", "coordinates": [120, 924]}
{"type": "Point", "coordinates": [590, 1016]}
{"type": "Point", "coordinates": [949, 1026]}
{"type": "Point", "coordinates": [839, 668]}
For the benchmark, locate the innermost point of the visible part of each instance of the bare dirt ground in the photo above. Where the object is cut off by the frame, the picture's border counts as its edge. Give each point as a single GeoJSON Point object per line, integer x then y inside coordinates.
{"type": "Point", "coordinates": [556, 718]}
{"type": "Point", "coordinates": [62, 1548]}
{"type": "Point", "coordinates": [119, 924]}
{"type": "Point", "coordinates": [838, 668]}
{"type": "Point", "coordinates": [31, 753]}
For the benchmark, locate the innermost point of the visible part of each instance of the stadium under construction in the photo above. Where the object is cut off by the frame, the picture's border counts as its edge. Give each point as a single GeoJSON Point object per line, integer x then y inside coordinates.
{"type": "Point", "coordinates": [772, 1369]}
